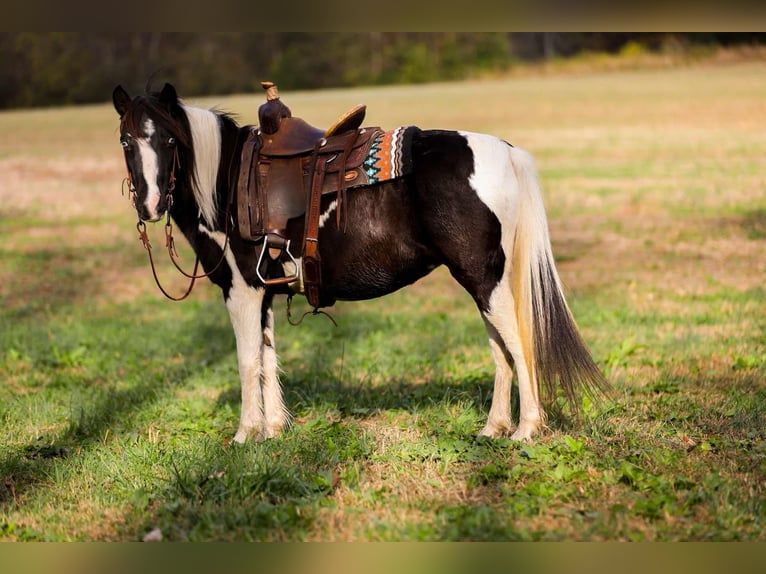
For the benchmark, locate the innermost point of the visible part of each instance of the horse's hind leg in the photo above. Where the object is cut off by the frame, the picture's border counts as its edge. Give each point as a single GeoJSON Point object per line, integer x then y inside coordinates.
{"type": "Point", "coordinates": [503, 329]}
{"type": "Point", "coordinates": [274, 411]}
{"type": "Point", "coordinates": [499, 420]}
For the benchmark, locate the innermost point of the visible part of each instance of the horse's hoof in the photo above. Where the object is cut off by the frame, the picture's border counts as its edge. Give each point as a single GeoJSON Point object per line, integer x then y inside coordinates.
{"type": "Point", "coordinates": [525, 432]}
{"type": "Point", "coordinates": [243, 435]}
{"type": "Point", "coordinates": [271, 432]}
{"type": "Point", "coordinates": [521, 437]}
{"type": "Point", "coordinates": [240, 437]}
{"type": "Point", "coordinates": [493, 431]}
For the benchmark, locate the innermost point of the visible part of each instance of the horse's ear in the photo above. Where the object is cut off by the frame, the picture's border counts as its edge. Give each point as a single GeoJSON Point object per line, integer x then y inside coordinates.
{"type": "Point", "coordinates": [121, 100]}
{"type": "Point", "coordinates": [168, 94]}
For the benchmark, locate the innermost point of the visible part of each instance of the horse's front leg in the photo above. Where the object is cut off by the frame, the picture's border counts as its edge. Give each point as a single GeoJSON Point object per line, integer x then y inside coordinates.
{"type": "Point", "coordinates": [245, 306]}
{"type": "Point", "coordinates": [275, 413]}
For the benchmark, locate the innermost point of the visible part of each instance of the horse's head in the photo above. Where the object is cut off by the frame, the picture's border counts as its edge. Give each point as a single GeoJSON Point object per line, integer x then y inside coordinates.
{"type": "Point", "coordinates": [152, 129]}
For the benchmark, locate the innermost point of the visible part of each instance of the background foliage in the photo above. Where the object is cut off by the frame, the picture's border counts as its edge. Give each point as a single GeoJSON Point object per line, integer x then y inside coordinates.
{"type": "Point", "coordinates": [43, 68]}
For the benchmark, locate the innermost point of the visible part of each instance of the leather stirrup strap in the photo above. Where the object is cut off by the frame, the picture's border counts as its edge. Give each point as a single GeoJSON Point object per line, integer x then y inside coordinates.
{"type": "Point", "coordinates": [247, 203]}
{"type": "Point", "coordinates": [312, 270]}
{"type": "Point", "coordinates": [341, 195]}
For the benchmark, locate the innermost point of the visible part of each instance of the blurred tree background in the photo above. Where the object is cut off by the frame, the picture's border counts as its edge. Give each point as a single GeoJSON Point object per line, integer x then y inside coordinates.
{"type": "Point", "coordinates": [45, 68]}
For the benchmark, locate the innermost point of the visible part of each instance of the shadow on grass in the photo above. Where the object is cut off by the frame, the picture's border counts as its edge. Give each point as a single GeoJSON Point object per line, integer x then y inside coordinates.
{"type": "Point", "coordinates": [754, 223]}
{"type": "Point", "coordinates": [276, 490]}
{"type": "Point", "coordinates": [41, 280]}
{"type": "Point", "coordinates": [118, 393]}
{"type": "Point", "coordinates": [44, 278]}
{"type": "Point", "coordinates": [375, 362]}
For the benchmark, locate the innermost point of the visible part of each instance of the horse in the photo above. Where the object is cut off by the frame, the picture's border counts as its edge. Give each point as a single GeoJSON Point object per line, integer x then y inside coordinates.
{"type": "Point", "coordinates": [472, 202]}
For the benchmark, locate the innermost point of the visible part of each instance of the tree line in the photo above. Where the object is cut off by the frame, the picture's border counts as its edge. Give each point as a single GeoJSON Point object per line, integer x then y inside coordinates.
{"type": "Point", "coordinates": [58, 68]}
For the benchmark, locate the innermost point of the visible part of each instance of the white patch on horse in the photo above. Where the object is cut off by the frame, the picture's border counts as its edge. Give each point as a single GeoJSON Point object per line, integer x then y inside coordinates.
{"type": "Point", "coordinates": [326, 215]}
{"type": "Point", "coordinates": [149, 128]}
{"type": "Point", "coordinates": [206, 138]}
{"type": "Point", "coordinates": [502, 316]}
{"type": "Point", "coordinates": [494, 181]}
{"type": "Point", "coordinates": [244, 305]}
{"type": "Point", "coordinates": [149, 169]}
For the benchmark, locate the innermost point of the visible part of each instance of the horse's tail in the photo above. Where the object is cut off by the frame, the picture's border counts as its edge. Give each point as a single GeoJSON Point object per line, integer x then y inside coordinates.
{"type": "Point", "coordinates": [555, 352]}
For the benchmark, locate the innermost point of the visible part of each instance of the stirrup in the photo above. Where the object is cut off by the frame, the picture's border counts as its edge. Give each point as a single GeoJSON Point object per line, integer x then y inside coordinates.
{"type": "Point", "coordinates": [276, 280]}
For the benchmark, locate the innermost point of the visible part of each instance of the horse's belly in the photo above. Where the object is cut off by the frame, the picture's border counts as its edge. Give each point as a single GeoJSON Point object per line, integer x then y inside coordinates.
{"type": "Point", "coordinates": [369, 281]}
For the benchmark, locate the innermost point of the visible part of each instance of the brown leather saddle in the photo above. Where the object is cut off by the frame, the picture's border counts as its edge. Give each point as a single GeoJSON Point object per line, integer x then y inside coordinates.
{"type": "Point", "coordinates": [286, 166]}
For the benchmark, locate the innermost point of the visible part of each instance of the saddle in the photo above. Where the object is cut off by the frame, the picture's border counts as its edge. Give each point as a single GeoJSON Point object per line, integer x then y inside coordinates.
{"type": "Point", "coordinates": [286, 166]}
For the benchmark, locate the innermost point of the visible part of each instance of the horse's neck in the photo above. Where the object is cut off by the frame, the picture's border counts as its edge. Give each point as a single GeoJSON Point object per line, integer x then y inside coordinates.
{"type": "Point", "coordinates": [203, 203]}
{"type": "Point", "coordinates": [186, 213]}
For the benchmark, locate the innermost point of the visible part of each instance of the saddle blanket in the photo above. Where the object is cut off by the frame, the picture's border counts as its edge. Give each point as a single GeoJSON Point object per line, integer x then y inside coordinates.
{"type": "Point", "coordinates": [390, 155]}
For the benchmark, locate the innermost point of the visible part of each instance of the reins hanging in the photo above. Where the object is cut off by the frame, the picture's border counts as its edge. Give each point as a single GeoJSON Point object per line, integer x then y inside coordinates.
{"type": "Point", "coordinates": [314, 311]}
{"type": "Point", "coordinates": [169, 239]}
{"type": "Point", "coordinates": [144, 237]}
{"type": "Point", "coordinates": [173, 254]}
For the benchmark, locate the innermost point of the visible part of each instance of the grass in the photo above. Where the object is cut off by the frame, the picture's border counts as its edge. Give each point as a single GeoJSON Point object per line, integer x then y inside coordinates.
{"type": "Point", "coordinates": [116, 406]}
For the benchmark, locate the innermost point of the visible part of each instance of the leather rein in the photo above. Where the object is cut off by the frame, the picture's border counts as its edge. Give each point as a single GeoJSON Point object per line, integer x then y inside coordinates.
{"type": "Point", "coordinates": [143, 236]}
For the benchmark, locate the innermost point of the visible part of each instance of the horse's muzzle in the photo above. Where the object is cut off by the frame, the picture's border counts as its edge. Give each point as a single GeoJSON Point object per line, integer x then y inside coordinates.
{"type": "Point", "coordinates": [153, 213]}
{"type": "Point", "coordinates": [145, 215]}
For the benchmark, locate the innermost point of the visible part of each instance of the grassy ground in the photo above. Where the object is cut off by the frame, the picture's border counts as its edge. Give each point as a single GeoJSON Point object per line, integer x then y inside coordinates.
{"type": "Point", "coordinates": [116, 406]}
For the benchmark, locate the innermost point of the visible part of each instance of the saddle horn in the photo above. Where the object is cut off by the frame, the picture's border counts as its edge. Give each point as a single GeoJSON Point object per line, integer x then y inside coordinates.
{"type": "Point", "coordinates": [271, 114]}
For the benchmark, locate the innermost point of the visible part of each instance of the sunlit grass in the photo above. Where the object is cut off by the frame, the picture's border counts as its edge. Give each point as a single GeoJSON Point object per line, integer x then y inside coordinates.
{"type": "Point", "coordinates": [117, 407]}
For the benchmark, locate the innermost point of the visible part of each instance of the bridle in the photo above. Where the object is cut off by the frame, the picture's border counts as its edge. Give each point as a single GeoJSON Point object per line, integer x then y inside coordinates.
{"type": "Point", "coordinates": [143, 235]}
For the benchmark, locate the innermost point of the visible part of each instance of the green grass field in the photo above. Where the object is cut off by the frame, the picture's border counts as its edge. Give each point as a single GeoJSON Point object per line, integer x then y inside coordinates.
{"type": "Point", "coordinates": [117, 406]}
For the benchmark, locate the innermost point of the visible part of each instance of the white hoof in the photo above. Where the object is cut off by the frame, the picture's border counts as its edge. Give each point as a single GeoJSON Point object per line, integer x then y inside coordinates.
{"type": "Point", "coordinates": [240, 437]}
{"type": "Point", "coordinates": [526, 430]}
{"type": "Point", "coordinates": [270, 432]}
{"type": "Point", "coordinates": [243, 434]}
{"type": "Point", "coordinates": [493, 430]}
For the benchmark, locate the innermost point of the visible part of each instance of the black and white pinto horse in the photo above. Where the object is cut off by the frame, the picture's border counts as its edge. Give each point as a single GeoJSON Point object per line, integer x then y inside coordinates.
{"type": "Point", "coordinates": [472, 203]}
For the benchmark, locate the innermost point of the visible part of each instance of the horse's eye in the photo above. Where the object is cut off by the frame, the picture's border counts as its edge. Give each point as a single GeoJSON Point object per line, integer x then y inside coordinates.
{"type": "Point", "coordinates": [171, 141]}
{"type": "Point", "coordinates": [124, 144]}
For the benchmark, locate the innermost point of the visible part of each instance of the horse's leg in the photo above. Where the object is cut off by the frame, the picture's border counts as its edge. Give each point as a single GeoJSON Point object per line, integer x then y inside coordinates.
{"type": "Point", "coordinates": [275, 413]}
{"type": "Point", "coordinates": [499, 420]}
{"type": "Point", "coordinates": [245, 304]}
{"type": "Point", "coordinates": [503, 329]}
